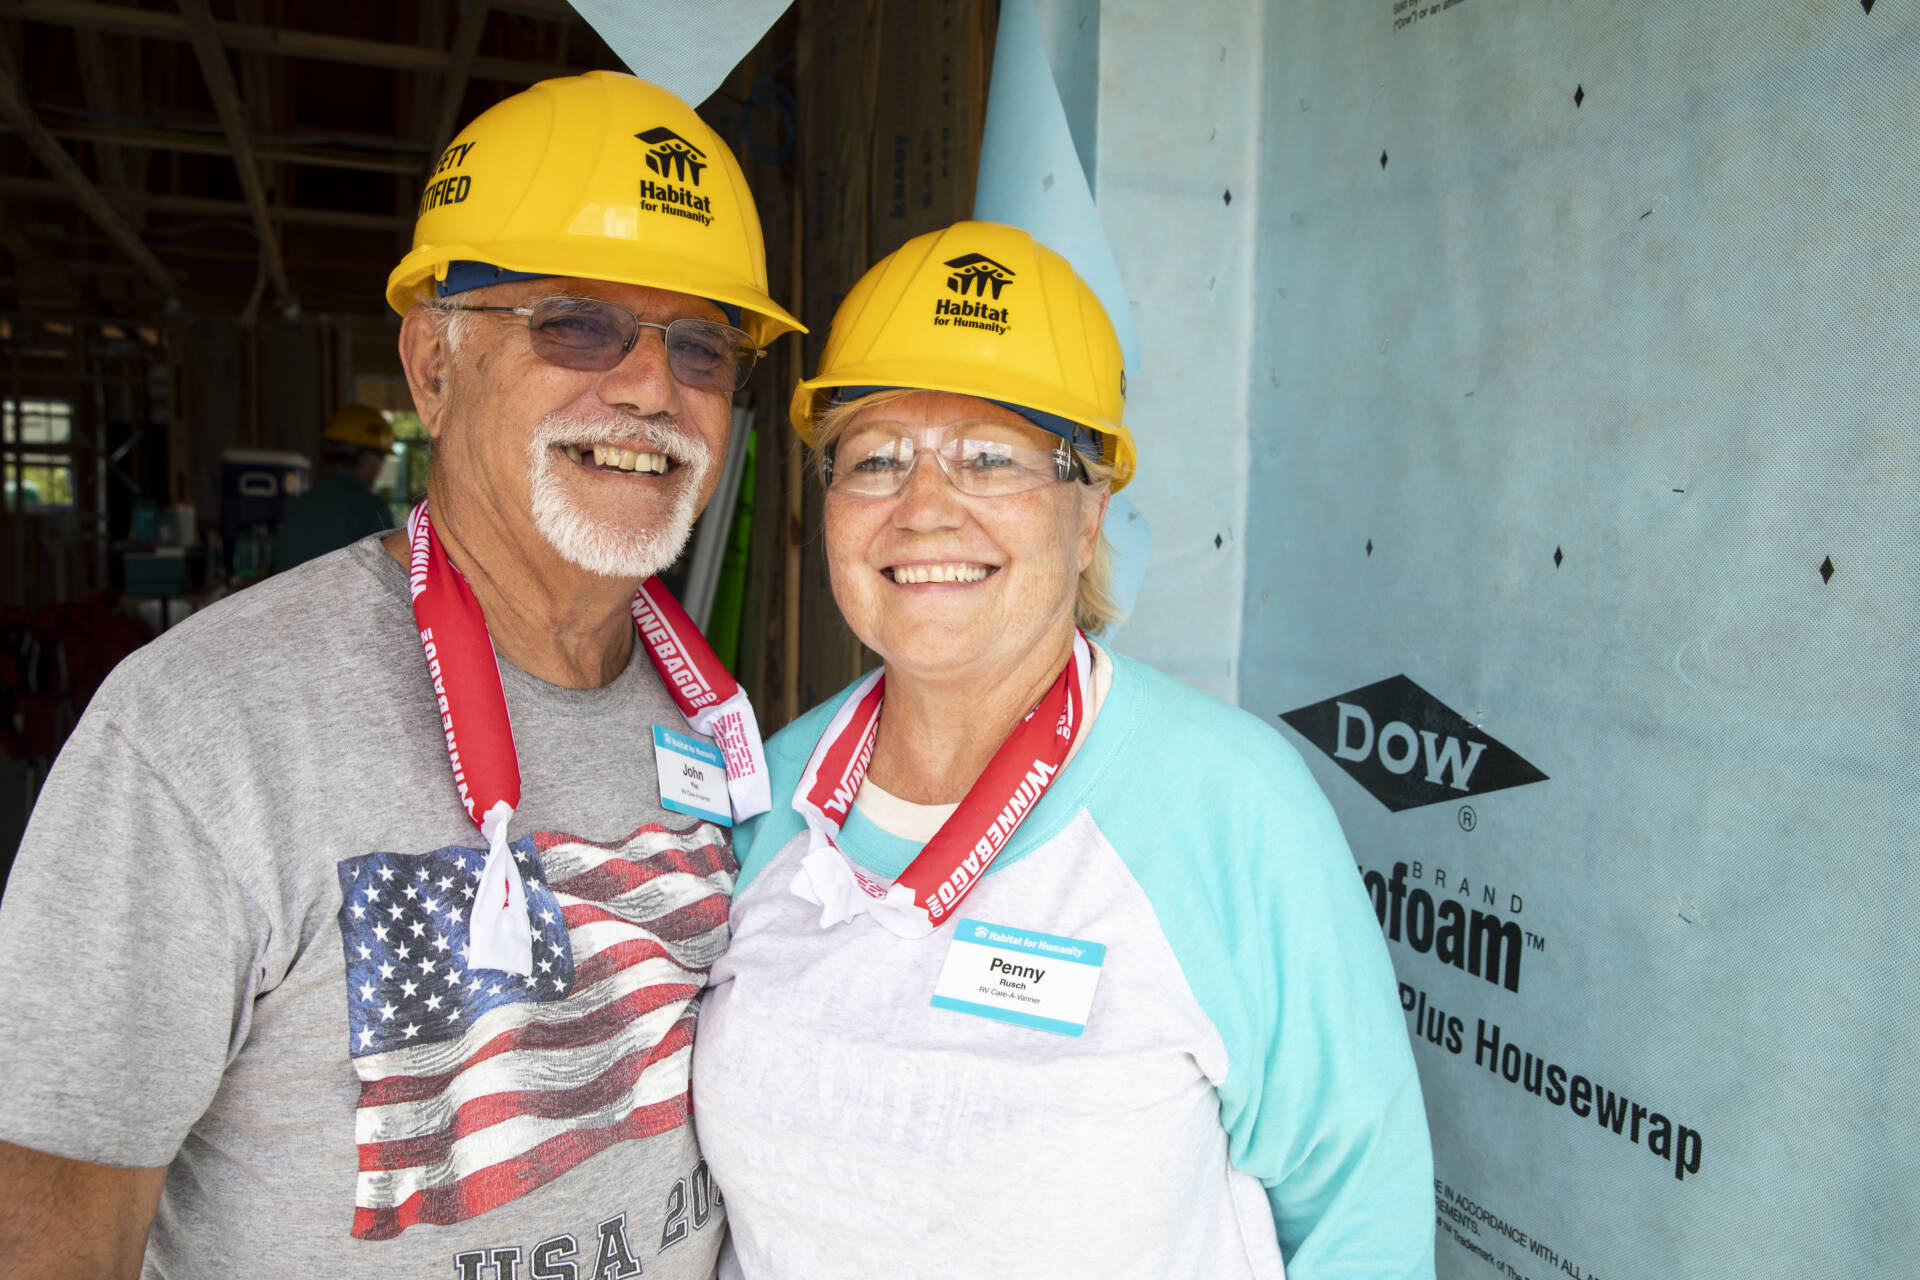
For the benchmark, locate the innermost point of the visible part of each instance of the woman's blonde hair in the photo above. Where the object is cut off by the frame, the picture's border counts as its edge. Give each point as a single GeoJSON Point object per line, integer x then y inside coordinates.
{"type": "Point", "coordinates": [1094, 608]}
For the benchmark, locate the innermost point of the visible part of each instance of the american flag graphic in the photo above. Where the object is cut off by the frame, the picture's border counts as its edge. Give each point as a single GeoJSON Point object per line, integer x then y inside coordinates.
{"type": "Point", "coordinates": [478, 1086]}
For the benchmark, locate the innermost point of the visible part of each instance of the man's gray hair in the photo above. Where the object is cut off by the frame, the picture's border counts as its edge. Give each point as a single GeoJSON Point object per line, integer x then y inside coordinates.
{"type": "Point", "coordinates": [456, 321]}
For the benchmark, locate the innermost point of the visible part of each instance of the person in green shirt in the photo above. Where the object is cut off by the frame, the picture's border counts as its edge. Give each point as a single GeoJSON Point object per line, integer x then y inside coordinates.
{"type": "Point", "coordinates": [342, 508]}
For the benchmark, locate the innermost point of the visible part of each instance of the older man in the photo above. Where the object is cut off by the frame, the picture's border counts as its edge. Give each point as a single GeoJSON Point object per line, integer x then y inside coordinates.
{"type": "Point", "coordinates": [358, 930]}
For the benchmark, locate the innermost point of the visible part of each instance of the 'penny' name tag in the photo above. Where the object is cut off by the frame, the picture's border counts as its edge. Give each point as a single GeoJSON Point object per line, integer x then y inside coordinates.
{"type": "Point", "coordinates": [1031, 979]}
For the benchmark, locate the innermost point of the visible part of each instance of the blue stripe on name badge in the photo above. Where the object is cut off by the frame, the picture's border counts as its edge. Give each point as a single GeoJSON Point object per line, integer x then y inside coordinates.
{"type": "Point", "coordinates": [1010, 1015]}
{"type": "Point", "coordinates": [1050, 945]}
{"type": "Point", "coordinates": [698, 748]}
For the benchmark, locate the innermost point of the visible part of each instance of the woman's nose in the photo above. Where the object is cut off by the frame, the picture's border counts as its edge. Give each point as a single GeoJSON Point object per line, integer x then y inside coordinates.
{"type": "Point", "coordinates": [928, 499]}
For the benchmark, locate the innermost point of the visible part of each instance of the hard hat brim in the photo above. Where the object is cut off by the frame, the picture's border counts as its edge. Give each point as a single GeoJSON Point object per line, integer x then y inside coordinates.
{"type": "Point", "coordinates": [963, 380]}
{"type": "Point", "coordinates": [762, 318]}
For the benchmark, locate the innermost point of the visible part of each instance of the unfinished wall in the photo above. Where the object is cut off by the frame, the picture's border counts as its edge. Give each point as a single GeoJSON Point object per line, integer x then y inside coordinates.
{"type": "Point", "coordinates": [1581, 561]}
{"type": "Point", "coordinates": [1177, 184]}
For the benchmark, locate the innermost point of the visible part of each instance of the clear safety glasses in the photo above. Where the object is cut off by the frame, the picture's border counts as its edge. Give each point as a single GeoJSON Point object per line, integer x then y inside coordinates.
{"type": "Point", "coordinates": [594, 336]}
{"type": "Point", "coordinates": [986, 459]}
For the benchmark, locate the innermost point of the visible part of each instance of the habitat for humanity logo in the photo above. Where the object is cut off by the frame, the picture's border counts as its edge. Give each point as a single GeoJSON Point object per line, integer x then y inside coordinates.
{"type": "Point", "coordinates": [1407, 748]}
{"type": "Point", "coordinates": [673, 156]}
{"type": "Point", "coordinates": [676, 161]}
{"type": "Point", "coordinates": [984, 278]}
{"type": "Point", "coordinates": [976, 273]}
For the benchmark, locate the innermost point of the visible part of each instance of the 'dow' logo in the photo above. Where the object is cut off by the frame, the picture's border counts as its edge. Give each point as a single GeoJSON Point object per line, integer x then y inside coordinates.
{"type": "Point", "coordinates": [673, 156]}
{"type": "Point", "coordinates": [1407, 748]}
{"type": "Point", "coordinates": [976, 273]}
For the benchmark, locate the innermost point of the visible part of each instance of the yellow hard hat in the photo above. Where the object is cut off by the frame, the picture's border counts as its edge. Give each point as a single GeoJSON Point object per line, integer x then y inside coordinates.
{"type": "Point", "coordinates": [360, 425]}
{"type": "Point", "coordinates": [600, 176]}
{"type": "Point", "coordinates": [980, 309]}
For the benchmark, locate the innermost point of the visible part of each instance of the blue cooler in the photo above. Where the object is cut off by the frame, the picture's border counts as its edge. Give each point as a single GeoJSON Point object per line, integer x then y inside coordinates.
{"type": "Point", "coordinates": [257, 488]}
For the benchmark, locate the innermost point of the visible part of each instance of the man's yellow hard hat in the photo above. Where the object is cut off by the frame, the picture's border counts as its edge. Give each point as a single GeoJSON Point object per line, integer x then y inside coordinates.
{"type": "Point", "coordinates": [979, 309]}
{"type": "Point", "coordinates": [360, 425]}
{"type": "Point", "coordinates": [602, 176]}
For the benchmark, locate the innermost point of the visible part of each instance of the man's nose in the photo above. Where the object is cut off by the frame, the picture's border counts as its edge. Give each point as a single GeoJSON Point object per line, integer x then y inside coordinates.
{"type": "Point", "coordinates": [643, 381]}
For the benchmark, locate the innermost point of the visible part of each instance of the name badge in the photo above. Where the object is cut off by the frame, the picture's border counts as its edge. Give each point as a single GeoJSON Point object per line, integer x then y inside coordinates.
{"type": "Point", "coordinates": [693, 776]}
{"type": "Point", "coordinates": [1019, 976]}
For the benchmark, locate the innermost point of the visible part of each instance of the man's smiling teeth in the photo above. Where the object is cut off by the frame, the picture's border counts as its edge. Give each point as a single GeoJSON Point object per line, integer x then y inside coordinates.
{"type": "Point", "coordinates": [602, 455]}
{"type": "Point", "coordinates": [914, 573]}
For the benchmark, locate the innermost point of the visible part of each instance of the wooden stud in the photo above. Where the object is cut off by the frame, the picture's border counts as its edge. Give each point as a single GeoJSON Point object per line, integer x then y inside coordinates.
{"type": "Point", "coordinates": [466, 43]}
{"type": "Point", "coordinates": [207, 49]}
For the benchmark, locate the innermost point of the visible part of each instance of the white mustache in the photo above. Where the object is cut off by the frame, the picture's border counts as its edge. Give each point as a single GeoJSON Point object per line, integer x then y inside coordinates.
{"type": "Point", "coordinates": [657, 433]}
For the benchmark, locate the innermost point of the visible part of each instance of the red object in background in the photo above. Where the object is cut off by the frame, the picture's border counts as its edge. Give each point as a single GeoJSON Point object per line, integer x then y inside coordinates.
{"type": "Point", "coordinates": [50, 665]}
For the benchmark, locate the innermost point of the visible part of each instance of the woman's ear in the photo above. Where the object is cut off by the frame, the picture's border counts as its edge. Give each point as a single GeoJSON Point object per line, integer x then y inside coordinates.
{"type": "Point", "coordinates": [1093, 510]}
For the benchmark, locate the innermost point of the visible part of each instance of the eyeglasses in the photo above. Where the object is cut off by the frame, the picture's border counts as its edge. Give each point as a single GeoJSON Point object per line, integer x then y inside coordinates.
{"type": "Point", "coordinates": [986, 459]}
{"type": "Point", "coordinates": [594, 336]}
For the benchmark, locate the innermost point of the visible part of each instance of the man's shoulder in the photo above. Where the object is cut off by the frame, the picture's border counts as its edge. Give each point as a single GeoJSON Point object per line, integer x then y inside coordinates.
{"type": "Point", "coordinates": [280, 633]}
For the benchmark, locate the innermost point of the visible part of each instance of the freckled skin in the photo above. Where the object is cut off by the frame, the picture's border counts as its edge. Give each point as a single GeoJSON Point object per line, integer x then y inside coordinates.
{"type": "Point", "coordinates": [1010, 630]}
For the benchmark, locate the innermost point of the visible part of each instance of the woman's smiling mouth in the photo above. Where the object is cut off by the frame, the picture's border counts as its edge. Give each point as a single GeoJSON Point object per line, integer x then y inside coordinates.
{"type": "Point", "coordinates": [956, 571]}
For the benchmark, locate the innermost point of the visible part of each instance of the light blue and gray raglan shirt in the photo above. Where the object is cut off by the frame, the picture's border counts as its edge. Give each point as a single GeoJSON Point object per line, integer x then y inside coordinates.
{"type": "Point", "coordinates": [1244, 1090]}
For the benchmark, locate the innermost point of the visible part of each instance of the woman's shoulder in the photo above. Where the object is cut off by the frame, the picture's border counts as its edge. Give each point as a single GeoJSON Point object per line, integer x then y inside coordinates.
{"type": "Point", "coordinates": [1181, 720]}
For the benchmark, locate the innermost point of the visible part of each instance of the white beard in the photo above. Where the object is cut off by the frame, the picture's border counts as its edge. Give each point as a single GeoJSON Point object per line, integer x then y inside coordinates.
{"type": "Point", "coordinates": [613, 551]}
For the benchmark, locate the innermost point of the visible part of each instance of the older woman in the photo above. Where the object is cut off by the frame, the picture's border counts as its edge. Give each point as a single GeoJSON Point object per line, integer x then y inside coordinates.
{"type": "Point", "coordinates": [1043, 964]}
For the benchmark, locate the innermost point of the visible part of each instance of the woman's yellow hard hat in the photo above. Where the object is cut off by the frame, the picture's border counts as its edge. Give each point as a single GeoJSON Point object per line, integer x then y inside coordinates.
{"type": "Point", "coordinates": [979, 309]}
{"type": "Point", "coordinates": [602, 176]}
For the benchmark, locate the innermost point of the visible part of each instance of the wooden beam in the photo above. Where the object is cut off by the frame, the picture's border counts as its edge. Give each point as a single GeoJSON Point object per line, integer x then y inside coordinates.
{"type": "Point", "coordinates": [75, 184]}
{"type": "Point", "coordinates": [413, 97]}
{"type": "Point", "coordinates": [42, 189]}
{"type": "Point", "coordinates": [466, 43]}
{"type": "Point", "coordinates": [96, 82]}
{"type": "Point", "coordinates": [159, 25]}
{"type": "Point", "coordinates": [205, 38]}
{"type": "Point", "coordinates": [114, 136]}
{"type": "Point", "coordinates": [548, 10]}
{"type": "Point", "coordinates": [228, 253]}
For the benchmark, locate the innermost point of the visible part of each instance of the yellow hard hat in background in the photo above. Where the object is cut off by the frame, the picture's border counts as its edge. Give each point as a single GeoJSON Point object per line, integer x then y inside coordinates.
{"type": "Point", "coordinates": [360, 425]}
{"type": "Point", "coordinates": [979, 309]}
{"type": "Point", "coordinates": [601, 176]}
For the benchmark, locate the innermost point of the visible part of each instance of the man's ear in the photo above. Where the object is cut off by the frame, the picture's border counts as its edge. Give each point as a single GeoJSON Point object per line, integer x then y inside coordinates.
{"type": "Point", "coordinates": [425, 356]}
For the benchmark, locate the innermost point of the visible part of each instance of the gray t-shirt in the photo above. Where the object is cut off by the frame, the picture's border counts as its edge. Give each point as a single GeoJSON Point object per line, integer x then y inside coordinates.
{"type": "Point", "coordinates": [231, 943]}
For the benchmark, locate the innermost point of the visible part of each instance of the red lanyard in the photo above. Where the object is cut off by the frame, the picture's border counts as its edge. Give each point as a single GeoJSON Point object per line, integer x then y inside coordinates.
{"type": "Point", "coordinates": [958, 855]}
{"type": "Point", "coordinates": [473, 714]}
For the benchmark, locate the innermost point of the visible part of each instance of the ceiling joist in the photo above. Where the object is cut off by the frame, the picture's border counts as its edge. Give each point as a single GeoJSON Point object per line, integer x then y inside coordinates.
{"type": "Point", "coordinates": [75, 183]}
{"type": "Point", "coordinates": [265, 147]}
{"type": "Point", "coordinates": [241, 37]}
{"type": "Point", "coordinates": [135, 109]}
{"type": "Point", "coordinates": [200, 206]}
{"type": "Point", "coordinates": [466, 43]}
{"type": "Point", "coordinates": [226, 101]}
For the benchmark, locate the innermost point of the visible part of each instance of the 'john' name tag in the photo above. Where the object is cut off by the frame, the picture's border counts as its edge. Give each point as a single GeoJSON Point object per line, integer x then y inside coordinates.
{"type": "Point", "coordinates": [1017, 975]}
{"type": "Point", "coordinates": [693, 776]}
